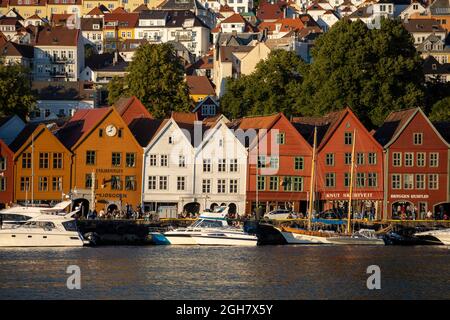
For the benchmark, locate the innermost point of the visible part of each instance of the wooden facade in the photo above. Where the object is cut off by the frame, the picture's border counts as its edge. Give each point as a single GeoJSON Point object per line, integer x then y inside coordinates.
{"type": "Point", "coordinates": [6, 175]}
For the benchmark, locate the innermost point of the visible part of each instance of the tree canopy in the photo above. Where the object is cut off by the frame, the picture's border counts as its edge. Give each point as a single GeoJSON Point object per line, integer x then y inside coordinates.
{"type": "Point", "coordinates": [156, 77]}
{"type": "Point", "coordinates": [374, 71]}
{"type": "Point", "coordinates": [270, 88]}
{"type": "Point", "coordinates": [15, 91]}
{"type": "Point", "coordinates": [441, 110]}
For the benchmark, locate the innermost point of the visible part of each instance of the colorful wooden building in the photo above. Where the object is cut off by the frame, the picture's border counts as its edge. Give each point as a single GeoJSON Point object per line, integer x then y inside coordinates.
{"type": "Point", "coordinates": [279, 163]}
{"type": "Point", "coordinates": [336, 133]}
{"type": "Point", "coordinates": [417, 163]}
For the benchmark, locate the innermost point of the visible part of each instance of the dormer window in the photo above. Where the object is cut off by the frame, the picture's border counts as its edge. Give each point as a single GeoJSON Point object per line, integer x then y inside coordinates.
{"type": "Point", "coordinates": [434, 66]}
{"type": "Point", "coordinates": [95, 26]}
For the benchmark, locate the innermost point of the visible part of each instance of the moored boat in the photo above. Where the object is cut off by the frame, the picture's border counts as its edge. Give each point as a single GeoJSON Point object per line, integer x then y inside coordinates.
{"type": "Point", "coordinates": [442, 235]}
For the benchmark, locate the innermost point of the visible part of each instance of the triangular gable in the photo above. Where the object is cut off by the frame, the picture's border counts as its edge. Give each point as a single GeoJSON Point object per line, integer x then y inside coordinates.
{"type": "Point", "coordinates": [208, 99]}
{"type": "Point", "coordinates": [162, 131]}
{"type": "Point", "coordinates": [40, 129]}
{"type": "Point", "coordinates": [405, 125]}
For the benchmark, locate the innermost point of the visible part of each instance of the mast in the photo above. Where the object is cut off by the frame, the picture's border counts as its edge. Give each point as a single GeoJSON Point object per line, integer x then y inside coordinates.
{"type": "Point", "coordinates": [257, 169]}
{"type": "Point", "coordinates": [311, 184]}
{"type": "Point", "coordinates": [351, 183]}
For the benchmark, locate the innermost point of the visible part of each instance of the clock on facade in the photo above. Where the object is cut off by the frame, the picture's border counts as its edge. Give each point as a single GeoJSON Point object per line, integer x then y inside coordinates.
{"type": "Point", "coordinates": [111, 130]}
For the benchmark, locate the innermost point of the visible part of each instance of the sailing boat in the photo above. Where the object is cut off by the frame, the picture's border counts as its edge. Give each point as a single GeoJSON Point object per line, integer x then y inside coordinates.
{"type": "Point", "coordinates": [363, 236]}
{"type": "Point", "coordinates": [308, 236]}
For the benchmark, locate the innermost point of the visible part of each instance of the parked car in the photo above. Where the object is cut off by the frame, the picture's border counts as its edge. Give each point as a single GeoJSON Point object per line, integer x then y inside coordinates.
{"type": "Point", "coordinates": [278, 214]}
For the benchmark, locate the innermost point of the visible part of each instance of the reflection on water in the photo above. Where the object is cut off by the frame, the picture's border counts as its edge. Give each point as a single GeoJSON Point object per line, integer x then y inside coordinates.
{"type": "Point", "coordinates": [270, 272]}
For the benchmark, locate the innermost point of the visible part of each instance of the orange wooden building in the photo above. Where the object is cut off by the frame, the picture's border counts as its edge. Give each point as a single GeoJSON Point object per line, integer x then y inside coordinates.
{"type": "Point", "coordinates": [107, 166]}
{"type": "Point", "coordinates": [42, 166]}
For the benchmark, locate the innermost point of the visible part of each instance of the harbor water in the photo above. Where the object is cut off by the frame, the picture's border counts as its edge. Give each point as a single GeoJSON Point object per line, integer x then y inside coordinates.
{"type": "Point", "coordinates": [267, 272]}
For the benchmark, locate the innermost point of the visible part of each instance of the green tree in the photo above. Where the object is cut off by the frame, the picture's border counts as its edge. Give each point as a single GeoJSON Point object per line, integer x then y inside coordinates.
{"type": "Point", "coordinates": [116, 89]}
{"type": "Point", "coordinates": [372, 71]}
{"type": "Point", "coordinates": [15, 91]}
{"type": "Point", "coordinates": [441, 110]}
{"type": "Point", "coordinates": [156, 77]}
{"type": "Point", "coordinates": [270, 88]}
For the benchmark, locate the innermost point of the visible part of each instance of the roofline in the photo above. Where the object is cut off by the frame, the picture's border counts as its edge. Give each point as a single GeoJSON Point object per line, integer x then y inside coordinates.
{"type": "Point", "coordinates": [418, 109]}
{"type": "Point", "coordinates": [159, 134]}
{"type": "Point", "coordinates": [201, 103]}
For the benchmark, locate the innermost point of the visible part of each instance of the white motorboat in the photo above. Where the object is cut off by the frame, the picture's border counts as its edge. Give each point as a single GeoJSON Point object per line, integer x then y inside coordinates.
{"type": "Point", "coordinates": [18, 215]}
{"type": "Point", "coordinates": [45, 230]}
{"type": "Point", "coordinates": [442, 235]}
{"type": "Point", "coordinates": [211, 228]}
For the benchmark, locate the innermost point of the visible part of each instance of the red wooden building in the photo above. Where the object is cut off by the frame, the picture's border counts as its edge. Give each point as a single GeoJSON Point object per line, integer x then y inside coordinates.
{"type": "Point", "coordinates": [279, 170]}
{"type": "Point", "coordinates": [336, 132]}
{"type": "Point", "coordinates": [417, 165]}
{"type": "Point", "coordinates": [6, 175]}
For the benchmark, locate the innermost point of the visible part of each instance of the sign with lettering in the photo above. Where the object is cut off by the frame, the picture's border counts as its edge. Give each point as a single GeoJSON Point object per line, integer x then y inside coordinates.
{"type": "Point", "coordinates": [110, 170]}
{"type": "Point", "coordinates": [355, 195]}
{"type": "Point", "coordinates": [410, 196]}
{"type": "Point", "coordinates": [111, 195]}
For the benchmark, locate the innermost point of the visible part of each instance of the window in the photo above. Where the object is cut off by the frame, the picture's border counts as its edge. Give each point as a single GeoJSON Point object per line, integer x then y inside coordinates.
{"type": "Point", "coordinates": [100, 133]}
{"type": "Point", "coordinates": [330, 180]}
{"type": "Point", "coordinates": [420, 181]}
{"type": "Point", "coordinates": [360, 158]}
{"type": "Point", "coordinates": [206, 165]}
{"type": "Point", "coordinates": [409, 159]}
{"type": "Point", "coordinates": [26, 160]}
{"type": "Point", "coordinates": [221, 186]}
{"type": "Point", "coordinates": [433, 181]}
{"type": "Point", "coordinates": [233, 165]}
{"type": "Point", "coordinates": [2, 184]}
{"type": "Point", "coordinates": [346, 179]}
{"type": "Point", "coordinates": [90, 157]}
{"type": "Point", "coordinates": [24, 183]}
{"type": "Point", "coordinates": [2, 163]}
{"type": "Point", "coordinates": [43, 184]}
{"type": "Point", "coordinates": [421, 159]}
{"type": "Point", "coordinates": [329, 159]}
{"type": "Point", "coordinates": [360, 179]}
{"type": "Point", "coordinates": [396, 181]}
{"type": "Point", "coordinates": [57, 183]}
{"type": "Point", "coordinates": [206, 186]}
{"type": "Point", "coordinates": [151, 182]}
{"type": "Point", "coordinates": [372, 179]}
{"type": "Point", "coordinates": [396, 159]}
{"type": "Point", "coordinates": [348, 138]}
{"type": "Point", "coordinates": [163, 183]}
{"type": "Point", "coordinates": [116, 159]}
{"type": "Point", "coordinates": [163, 160]}
{"type": "Point", "coordinates": [417, 138]}
{"type": "Point", "coordinates": [281, 138]}
{"type": "Point", "coordinates": [43, 160]}
{"type": "Point", "coordinates": [261, 161]}
{"type": "Point", "coordinates": [298, 183]}
{"type": "Point", "coordinates": [170, 140]}
{"type": "Point", "coordinates": [88, 181]}
{"type": "Point", "coordinates": [222, 165]}
{"type": "Point", "coordinates": [130, 159]}
{"type": "Point", "coordinates": [408, 181]}
{"type": "Point", "coordinates": [152, 160]}
{"type": "Point", "coordinates": [348, 158]}
{"type": "Point", "coordinates": [181, 183]}
{"type": "Point", "coordinates": [116, 184]}
{"type": "Point", "coordinates": [274, 162]}
{"type": "Point", "coordinates": [299, 163]}
{"type": "Point", "coordinates": [181, 161]}
{"type": "Point", "coordinates": [57, 160]}
{"type": "Point", "coordinates": [273, 183]}
{"type": "Point", "coordinates": [372, 158]}
{"type": "Point", "coordinates": [434, 159]}
{"type": "Point", "coordinates": [233, 186]}
{"type": "Point", "coordinates": [130, 183]}
{"type": "Point", "coordinates": [261, 183]}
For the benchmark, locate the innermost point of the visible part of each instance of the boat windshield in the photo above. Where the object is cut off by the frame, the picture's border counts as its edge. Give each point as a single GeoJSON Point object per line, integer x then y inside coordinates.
{"type": "Point", "coordinates": [207, 224]}
{"type": "Point", "coordinates": [14, 217]}
{"type": "Point", "coordinates": [70, 225]}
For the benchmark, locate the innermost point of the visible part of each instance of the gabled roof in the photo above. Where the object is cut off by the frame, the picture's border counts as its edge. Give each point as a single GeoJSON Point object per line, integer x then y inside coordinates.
{"type": "Point", "coordinates": [184, 117]}
{"type": "Point", "coordinates": [57, 36]}
{"type": "Point", "coordinates": [270, 11]}
{"type": "Point", "coordinates": [23, 136]}
{"type": "Point", "coordinates": [199, 85]}
{"type": "Point", "coordinates": [207, 100]}
{"type": "Point", "coordinates": [80, 125]}
{"type": "Point", "coordinates": [13, 49]}
{"type": "Point", "coordinates": [422, 25]}
{"type": "Point", "coordinates": [142, 7]}
{"type": "Point", "coordinates": [125, 20]}
{"type": "Point", "coordinates": [98, 11]}
{"type": "Point", "coordinates": [396, 122]}
{"type": "Point", "coordinates": [119, 10]}
{"type": "Point", "coordinates": [144, 129]}
{"type": "Point", "coordinates": [131, 108]}
{"type": "Point", "coordinates": [256, 122]}
{"type": "Point", "coordinates": [4, 120]}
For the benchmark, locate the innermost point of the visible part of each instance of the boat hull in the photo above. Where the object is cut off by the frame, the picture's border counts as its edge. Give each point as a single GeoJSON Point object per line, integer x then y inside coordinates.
{"type": "Point", "coordinates": [9, 238]}
{"type": "Point", "coordinates": [356, 241]}
{"type": "Point", "coordinates": [298, 238]}
{"type": "Point", "coordinates": [213, 240]}
{"type": "Point", "coordinates": [442, 235]}
{"type": "Point", "coordinates": [180, 239]}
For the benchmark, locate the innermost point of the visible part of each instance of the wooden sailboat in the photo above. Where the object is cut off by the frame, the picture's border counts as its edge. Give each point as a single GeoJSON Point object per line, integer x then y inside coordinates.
{"type": "Point", "coordinates": [307, 236]}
